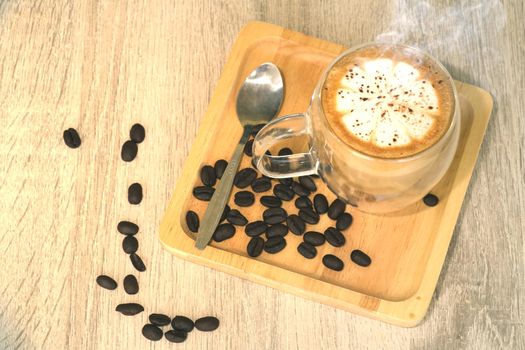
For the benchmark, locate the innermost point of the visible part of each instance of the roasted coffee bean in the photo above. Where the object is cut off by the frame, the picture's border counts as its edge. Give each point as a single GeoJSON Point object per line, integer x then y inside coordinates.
{"type": "Point", "coordinates": [106, 282]}
{"type": "Point", "coordinates": [277, 230]}
{"type": "Point", "coordinates": [299, 189]}
{"type": "Point", "coordinates": [129, 309]}
{"type": "Point", "coordinates": [255, 228]}
{"type": "Point", "coordinates": [130, 244]}
{"type": "Point", "coordinates": [271, 201]}
{"type": "Point", "coordinates": [225, 213]}
{"type": "Point", "coordinates": [308, 183]}
{"type": "Point", "coordinates": [274, 216]}
{"type": "Point", "coordinates": [285, 151]}
{"type": "Point", "coordinates": [334, 237]}
{"type": "Point", "coordinates": [175, 336]}
{"type": "Point", "coordinates": [131, 285]}
{"type": "Point", "coordinates": [207, 324]}
{"type": "Point", "coordinates": [244, 178]}
{"type": "Point", "coordinates": [182, 323]}
{"type": "Point", "coordinates": [320, 203]}
{"type": "Point", "coordinates": [303, 202]}
{"type": "Point", "coordinates": [314, 238]}
{"type": "Point", "coordinates": [248, 148]}
{"type": "Point", "coordinates": [192, 220]}
{"type": "Point", "coordinates": [295, 224]}
{"type": "Point", "coordinates": [236, 218]}
{"type": "Point", "coordinates": [255, 247]}
{"type": "Point", "coordinates": [219, 167]}
{"type": "Point", "coordinates": [244, 198]}
{"type": "Point", "coordinates": [129, 151]}
{"type": "Point", "coordinates": [360, 258]}
{"type": "Point", "coordinates": [208, 176]}
{"type": "Point", "coordinates": [336, 208]}
{"type": "Point", "coordinates": [309, 215]}
{"type": "Point", "coordinates": [223, 232]}
{"type": "Point", "coordinates": [261, 184]}
{"type": "Point", "coordinates": [431, 200]}
{"type": "Point", "coordinates": [137, 262]}
{"type": "Point", "coordinates": [283, 192]}
{"type": "Point", "coordinates": [135, 193]}
{"type": "Point", "coordinates": [274, 245]}
{"type": "Point", "coordinates": [127, 228]}
{"type": "Point", "coordinates": [333, 262]}
{"type": "Point", "coordinates": [137, 133]}
{"type": "Point", "coordinates": [152, 332]}
{"type": "Point", "coordinates": [203, 193]}
{"type": "Point", "coordinates": [159, 319]}
{"type": "Point", "coordinates": [286, 181]}
{"type": "Point", "coordinates": [71, 138]}
{"type": "Point", "coordinates": [256, 128]}
{"type": "Point", "coordinates": [344, 221]}
{"type": "Point", "coordinates": [307, 250]}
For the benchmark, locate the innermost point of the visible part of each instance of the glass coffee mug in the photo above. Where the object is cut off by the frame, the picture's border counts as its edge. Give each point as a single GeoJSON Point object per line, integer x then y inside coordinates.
{"type": "Point", "coordinates": [370, 183]}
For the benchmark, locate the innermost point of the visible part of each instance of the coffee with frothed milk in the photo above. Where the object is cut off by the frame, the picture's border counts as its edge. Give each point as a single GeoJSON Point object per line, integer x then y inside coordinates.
{"type": "Point", "coordinates": [388, 103]}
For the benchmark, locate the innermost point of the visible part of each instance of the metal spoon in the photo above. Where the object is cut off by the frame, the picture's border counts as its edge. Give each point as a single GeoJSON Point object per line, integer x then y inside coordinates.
{"type": "Point", "coordinates": [258, 101]}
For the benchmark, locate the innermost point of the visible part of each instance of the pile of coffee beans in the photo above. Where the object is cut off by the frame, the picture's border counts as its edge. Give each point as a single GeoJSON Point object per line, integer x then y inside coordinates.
{"type": "Point", "coordinates": [130, 147]}
{"type": "Point", "coordinates": [180, 327]}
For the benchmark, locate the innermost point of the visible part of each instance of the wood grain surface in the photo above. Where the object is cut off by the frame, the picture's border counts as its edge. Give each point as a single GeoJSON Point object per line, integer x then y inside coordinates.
{"type": "Point", "coordinates": [100, 66]}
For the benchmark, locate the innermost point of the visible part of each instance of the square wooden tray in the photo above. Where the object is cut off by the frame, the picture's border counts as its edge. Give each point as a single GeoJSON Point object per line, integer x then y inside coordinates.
{"type": "Point", "coordinates": [407, 248]}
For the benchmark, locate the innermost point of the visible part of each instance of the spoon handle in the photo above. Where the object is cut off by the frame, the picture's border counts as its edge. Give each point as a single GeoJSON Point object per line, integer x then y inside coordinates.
{"type": "Point", "coordinates": [221, 195]}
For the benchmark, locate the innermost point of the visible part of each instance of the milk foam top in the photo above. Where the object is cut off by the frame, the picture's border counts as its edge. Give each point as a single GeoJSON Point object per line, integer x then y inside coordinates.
{"type": "Point", "coordinates": [388, 101]}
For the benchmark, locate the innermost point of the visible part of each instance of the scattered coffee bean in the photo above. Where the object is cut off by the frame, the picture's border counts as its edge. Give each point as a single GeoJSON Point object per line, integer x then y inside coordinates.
{"type": "Point", "coordinates": [277, 230]}
{"type": "Point", "coordinates": [208, 176]}
{"type": "Point", "coordinates": [129, 151]}
{"type": "Point", "coordinates": [129, 309]}
{"type": "Point", "coordinates": [245, 177]}
{"type": "Point", "coordinates": [320, 203]}
{"type": "Point", "coordinates": [285, 151]}
{"type": "Point", "coordinates": [137, 133]}
{"type": "Point", "coordinates": [130, 244]}
{"type": "Point", "coordinates": [344, 221]}
{"type": "Point", "coordinates": [360, 258]}
{"type": "Point", "coordinates": [283, 192]}
{"type": "Point", "coordinates": [207, 324]}
{"type": "Point", "coordinates": [271, 201]}
{"type": "Point", "coordinates": [336, 208]}
{"type": "Point", "coordinates": [106, 282]}
{"type": "Point", "coordinates": [220, 166]}
{"type": "Point", "coordinates": [223, 232]}
{"type": "Point", "coordinates": [192, 220]}
{"type": "Point", "coordinates": [255, 247]}
{"type": "Point", "coordinates": [159, 319]}
{"type": "Point", "coordinates": [182, 323]}
{"type": "Point", "coordinates": [174, 336]}
{"type": "Point", "coordinates": [135, 193]}
{"type": "Point", "coordinates": [314, 238]}
{"type": "Point", "coordinates": [131, 285]}
{"type": "Point", "coordinates": [137, 262]}
{"type": "Point", "coordinates": [71, 138]}
{"type": "Point", "coordinates": [248, 148]}
{"type": "Point", "coordinates": [299, 189]}
{"type": "Point", "coordinates": [274, 245]}
{"type": "Point", "coordinates": [261, 184]}
{"type": "Point", "coordinates": [334, 237]}
{"type": "Point", "coordinates": [203, 193]}
{"type": "Point", "coordinates": [152, 332]}
{"type": "Point", "coordinates": [333, 262]}
{"type": "Point", "coordinates": [244, 198]}
{"type": "Point", "coordinates": [286, 181]}
{"type": "Point", "coordinates": [431, 200]}
{"type": "Point", "coordinates": [274, 216]}
{"type": "Point", "coordinates": [307, 250]}
{"type": "Point", "coordinates": [127, 228]}
{"type": "Point", "coordinates": [236, 218]}
{"type": "Point", "coordinates": [255, 228]}
{"type": "Point", "coordinates": [225, 213]}
{"type": "Point", "coordinates": [256, 128]}
{"type": "Point", "coordinates": [303, 202]}
{"type": "Point", "coordinates": [309, 215]}
{"type": "Point", "coordinates": [308, 183]}
{"type": "Point", "coordinates": [295, 224]}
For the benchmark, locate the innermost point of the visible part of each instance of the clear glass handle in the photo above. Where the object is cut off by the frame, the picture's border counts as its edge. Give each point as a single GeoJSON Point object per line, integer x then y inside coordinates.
{"type": "Point", "coordinates": [279, 130]}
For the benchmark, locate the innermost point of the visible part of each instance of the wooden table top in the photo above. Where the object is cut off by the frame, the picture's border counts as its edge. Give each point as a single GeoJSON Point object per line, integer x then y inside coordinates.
{"type": "Point", "coordinates": [101, 66]}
